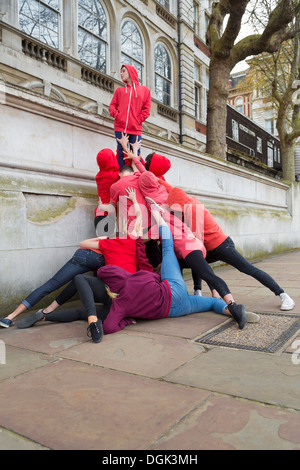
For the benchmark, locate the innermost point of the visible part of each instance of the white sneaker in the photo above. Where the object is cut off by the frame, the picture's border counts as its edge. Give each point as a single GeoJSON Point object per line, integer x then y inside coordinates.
{"type": "Point", "coordinates": [198, 292]}
{"type": "Point", "coordinates": [286, 302]}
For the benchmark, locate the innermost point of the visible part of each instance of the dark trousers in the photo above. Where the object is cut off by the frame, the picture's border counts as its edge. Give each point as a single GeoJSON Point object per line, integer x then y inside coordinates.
{"type": "Point", "coordinates": [200, 268]}
{"type": "Point", "coordinates": [82, 261]}
{"type": "Point", "coordinates": [227, 253]}
{"type": "Point", "coordinates": [91, 290]}
{"type": "Point", "coordinates": [132, 140]}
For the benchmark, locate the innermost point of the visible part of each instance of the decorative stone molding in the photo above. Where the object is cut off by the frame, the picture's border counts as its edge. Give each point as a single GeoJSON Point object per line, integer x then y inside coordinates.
{"type": "Point", "coordinates": [166, 16]}
{"type": "Point", "coordinates": [44, 53]}
{"type": "Point", "coordinates": [168, 134]}
{"type": "Point", "coordinates": [96, 78]}
{"type": "Point", "coordinates": [47, 87]}
{"type": "Point", "coordinates": [167, 112]}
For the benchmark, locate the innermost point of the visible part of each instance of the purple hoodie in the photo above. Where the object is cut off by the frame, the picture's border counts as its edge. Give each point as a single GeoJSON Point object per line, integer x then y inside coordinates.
{"type": "Point", "coordinates": [141, 295]}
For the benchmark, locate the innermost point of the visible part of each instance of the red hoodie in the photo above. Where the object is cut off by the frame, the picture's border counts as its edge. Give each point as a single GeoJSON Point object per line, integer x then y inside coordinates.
{"type": "Point", "coordinates": [197, 217]}
{"type": "Point", "coordinates": [108, 174]}
{"type": "Point", "coordinates": [159, 165]}
{"type": "Point", "coordinates": [130, 105]}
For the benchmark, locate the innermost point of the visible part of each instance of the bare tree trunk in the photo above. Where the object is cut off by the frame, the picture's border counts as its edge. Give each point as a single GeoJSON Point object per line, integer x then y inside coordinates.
{"type": "Point", "coordinates": [217, 107]}
{"type": "Point", "coordinates": [288, 160]}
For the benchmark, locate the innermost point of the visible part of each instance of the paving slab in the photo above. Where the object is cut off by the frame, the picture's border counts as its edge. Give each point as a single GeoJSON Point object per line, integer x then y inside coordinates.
{"type": "Point", "coordinates": [151, 386]}
{"type": "Point", "coordinates": [226, 423]}
{"type": "Point", "coordinates": [12, 441]}
{"type": "Point", "coordinates": [18, 361]}
{"type": "Point", "coordinates": [46, 337]}
{"type": "Point", "coordinates": [188, 327]}
{"type": "Point", "coordinates": [68, 405]}
{"type": "Point", "coordinates": [138, 353]}
{"type": "Point", "coordinates": [267, 378]}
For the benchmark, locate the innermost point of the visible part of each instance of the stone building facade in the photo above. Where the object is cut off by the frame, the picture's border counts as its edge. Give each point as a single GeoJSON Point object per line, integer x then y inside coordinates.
{"type": "Point", "coordinates": [59, 66]}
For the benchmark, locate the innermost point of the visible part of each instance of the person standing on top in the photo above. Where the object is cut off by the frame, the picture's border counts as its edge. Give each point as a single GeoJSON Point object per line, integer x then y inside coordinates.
{"type": "Point", "coordinates": [130, 107]}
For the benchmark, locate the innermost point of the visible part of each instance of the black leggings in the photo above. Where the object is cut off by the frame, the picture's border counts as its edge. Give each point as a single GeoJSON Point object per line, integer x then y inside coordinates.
{"type": "Point", "coordinates": [68, 316]}
{"type": "Point", "coordinates": [90, 289]}
{"type": "Point", "coordinates": [196, 262]}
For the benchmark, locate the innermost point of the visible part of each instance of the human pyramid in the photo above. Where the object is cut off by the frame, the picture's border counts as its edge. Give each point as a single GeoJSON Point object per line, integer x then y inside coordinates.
{"type": "Point", "coordinates": [147, 232]}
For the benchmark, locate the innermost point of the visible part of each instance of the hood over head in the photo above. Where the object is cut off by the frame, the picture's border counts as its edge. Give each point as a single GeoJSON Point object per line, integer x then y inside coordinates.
{"type": "Point", "coordinates": [159, 165]}
{"type": "Point", "coordinates": [107, 160]}
{"type": "Point", "coordinates": [133, 73]}
{"type": "Point", "coordinates": [113, 276]}
{"type": "Point", "coordinates": [177, 198]}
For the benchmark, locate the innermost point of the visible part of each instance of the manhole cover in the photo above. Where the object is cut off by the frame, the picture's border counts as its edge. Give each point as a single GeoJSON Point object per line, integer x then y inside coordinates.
{"type": "Point", "coordinates": [269, 335]}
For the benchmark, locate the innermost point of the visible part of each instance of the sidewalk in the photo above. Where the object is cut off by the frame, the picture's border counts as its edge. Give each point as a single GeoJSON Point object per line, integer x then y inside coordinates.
{"type": "Point", "coordinates": [153, 386]}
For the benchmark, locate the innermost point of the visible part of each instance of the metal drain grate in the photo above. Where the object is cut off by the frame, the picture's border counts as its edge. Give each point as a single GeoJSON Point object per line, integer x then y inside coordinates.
{"type": "Point", "coordinates": [269, 335]}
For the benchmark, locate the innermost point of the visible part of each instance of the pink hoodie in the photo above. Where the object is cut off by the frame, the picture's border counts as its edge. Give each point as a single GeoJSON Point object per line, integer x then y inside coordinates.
{"type": "Point", "coordinates": [130, 106]}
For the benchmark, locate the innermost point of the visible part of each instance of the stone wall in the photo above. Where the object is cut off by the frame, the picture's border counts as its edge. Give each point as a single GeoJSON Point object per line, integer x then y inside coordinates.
{"type": "Point", "coordinates": [48, 192]}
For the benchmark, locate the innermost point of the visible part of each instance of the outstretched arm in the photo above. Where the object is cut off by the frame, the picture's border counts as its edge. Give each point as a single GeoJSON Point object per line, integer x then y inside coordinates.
{"type": "Point", "coordinates": [124, 141]}
{"type": "Point", "coordinates": [90, 244]}
{"type": "Point", "coordinates": [138, 226]}
{"type": "Point", "coordinates": [133, 156]}
{"type": "Point", "coordinates": [110, 208]}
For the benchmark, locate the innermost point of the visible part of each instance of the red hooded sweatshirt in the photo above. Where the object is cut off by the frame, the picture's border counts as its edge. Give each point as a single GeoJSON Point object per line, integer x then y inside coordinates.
{"type": "Point", "coordinates": [197, 217]}
{"type": "Point", "coordinates": [108, 174]}
{"type": "Point", "coordinates": [130, 105]}
{"type": "Point", "coordinates": [159, 165]}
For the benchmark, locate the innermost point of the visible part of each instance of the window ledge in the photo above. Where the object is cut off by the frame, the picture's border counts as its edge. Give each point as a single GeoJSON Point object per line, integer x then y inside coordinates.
{"type": "Point", "coordinates": [167, 111]}
{"type": "Point", "coordinates": [166, 15]}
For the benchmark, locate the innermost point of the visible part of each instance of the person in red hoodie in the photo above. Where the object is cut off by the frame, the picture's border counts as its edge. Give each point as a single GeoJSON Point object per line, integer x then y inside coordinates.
{"type": "Point", "coordinates": [130, 107]}
{"type": "Point", "coordinates": [108, 175]}
{"type": "Point", "coordinates": [157, 164]}
{"type": "Point", "coordinates": [150, 296]}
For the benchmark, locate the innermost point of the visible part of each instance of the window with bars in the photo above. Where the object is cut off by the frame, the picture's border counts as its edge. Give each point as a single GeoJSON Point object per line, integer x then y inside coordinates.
{"type": "Point", "coordinates": [163, 83]}
{"type": "Point", "coordinates": [41, 19]}
{"type": "Point", "coordinates": [92, 34]}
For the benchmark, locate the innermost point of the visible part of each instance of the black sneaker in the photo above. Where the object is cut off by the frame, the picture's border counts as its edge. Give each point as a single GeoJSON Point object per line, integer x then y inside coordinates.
{"type": "Point", "coordinates": [95, 331]}
{"type": "Point", "coordinates": [32, 320]}
{"type": "Point", "coordinates": [238, 312]}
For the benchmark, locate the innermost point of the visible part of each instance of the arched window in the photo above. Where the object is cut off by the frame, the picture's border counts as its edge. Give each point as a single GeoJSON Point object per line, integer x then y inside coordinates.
{"type": "Point", "coordinates": [92, 34]}
{"type": "Point", "coordinates": [239, 104]}
{"type": "Point", "coordinates": [41, 19]}
{"type": "Point", "coordinates": [162, 65]}
{"type": "Point", "coordinates": [132, 50]}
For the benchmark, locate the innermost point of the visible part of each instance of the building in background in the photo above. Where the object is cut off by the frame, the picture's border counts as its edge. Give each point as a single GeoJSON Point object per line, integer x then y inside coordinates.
{"type": "Point", "coordinates": [63, 44]}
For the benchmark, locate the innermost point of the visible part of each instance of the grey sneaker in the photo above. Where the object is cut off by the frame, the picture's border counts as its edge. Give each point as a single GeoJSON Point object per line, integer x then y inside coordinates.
{"type": "Point", "coordinates": [32, 320]}
{"type": "Point", "coordinates": [252, 317]}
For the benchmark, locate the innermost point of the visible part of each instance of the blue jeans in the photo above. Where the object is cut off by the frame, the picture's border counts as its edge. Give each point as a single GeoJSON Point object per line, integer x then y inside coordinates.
{"type": "Point", "coordinates": [132, 140]}
{"type": "Point", "coordinates": [182, 303]}
{"type": "Point", "coordinates": [82, 261]}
